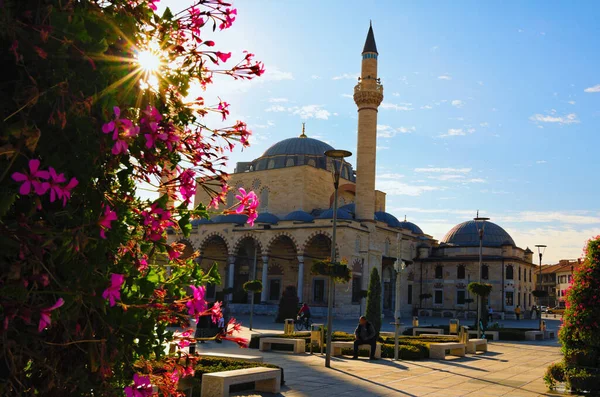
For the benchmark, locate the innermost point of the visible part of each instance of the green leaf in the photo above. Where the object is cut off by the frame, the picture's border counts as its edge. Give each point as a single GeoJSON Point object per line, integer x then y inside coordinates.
{"type": "Point", "coordinates": [185, 225]}
{"type": "Point", "coordinates": [214, 274]}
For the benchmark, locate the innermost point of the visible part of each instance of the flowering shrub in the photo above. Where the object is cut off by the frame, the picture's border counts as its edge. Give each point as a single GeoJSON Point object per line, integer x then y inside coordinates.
{"type": "Point", "coordinates": [579, 334]}
{"type": "Point", "coordinates": [96, 102]}
{"type": "Point", "coordinates": [340, 271]}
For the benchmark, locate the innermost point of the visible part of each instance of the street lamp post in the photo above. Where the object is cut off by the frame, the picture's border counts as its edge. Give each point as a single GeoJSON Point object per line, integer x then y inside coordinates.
{"type": "Point", "coordinates": [337, 157]}
{"type": "Point", "coordinates": [480, 223]}
{"type": "Point", "coordinates": [399, 265]}
{"type": "Point", "coordinates": [541, 249]}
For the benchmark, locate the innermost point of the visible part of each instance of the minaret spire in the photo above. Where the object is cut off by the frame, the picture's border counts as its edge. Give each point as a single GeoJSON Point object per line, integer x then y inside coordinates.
{"type": "Point", "coordinates": [368, 94]}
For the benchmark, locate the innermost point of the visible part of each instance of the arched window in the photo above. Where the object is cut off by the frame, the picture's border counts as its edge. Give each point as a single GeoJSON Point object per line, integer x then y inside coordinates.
{"type": "Point", "coordinates": [530, 278]}
{"type": "Point", "coordinates": [485, 272]}
{"type": "Point", "coordinates": [264, 200]}
{"type": "Point", "coordinates": [312, 163]}
{"type": "Point", "coordinates": [519, 273]}
{"type": "Point", "coordinates": [289, 162]}
{"type": "Point", "coordinates": [460, 272]}
{"type": "Point", "coordinates": [271, 164]}
{"type": "Point", "coordinates": [439, 271]}
{"type": "Point", "coordinates": [509, 272]}
{"type": "Point", "coordinates": [230, 198]}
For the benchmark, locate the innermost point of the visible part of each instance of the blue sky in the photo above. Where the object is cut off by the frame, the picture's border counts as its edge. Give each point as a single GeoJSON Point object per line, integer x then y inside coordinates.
{"type": "Point", "coordinates": [490, 106]}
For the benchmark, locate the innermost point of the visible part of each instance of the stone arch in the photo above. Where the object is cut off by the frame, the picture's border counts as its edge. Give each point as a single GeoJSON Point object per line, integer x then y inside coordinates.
{"type": "Point", "coordinates": [276, 237]}
{"type": "Point", "coordinates": [255, 184]}
{"type": "Point", "coordinates": [189, 249]}
{"type": "Point", "coordinates": [214, 249]}
{"type": "Point", "coordinates": [346, 190]}
{"type": "Point", "coordinates": [308, 240]}
{"type": "Point", "coordinates": [317, 246]}
{"type": "Point", "coordinates": [211, 236]}
{"type": "Point", "coordinates": [248, 235]}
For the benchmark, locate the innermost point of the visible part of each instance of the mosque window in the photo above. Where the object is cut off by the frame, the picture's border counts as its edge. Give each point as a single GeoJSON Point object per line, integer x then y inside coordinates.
{"type": "Point", "coordinates": [264, 200]}
{"type": "Point", "coordinates": [485, 272]}
{"type": "Point", "coordinates": [345, 172]}
{"type": "Point", "coordinates": [530, 279]}
{"type": "Point", "coordinates": [289, 162]}
{"type": "Point", "coordinates": [460, 296]}
{"type": "Point", "coordinates": [509, 272]}
{"type": "Point", "coordinates": [356, 288]}
{"type": "Point", "coordinates": [438, 297]}
{"type": "Point", "coordinates": [271, 164]}
{"type": "Point", "coordinates": [357, 245]}
{"type": "Point", "coordinates": [256, 184]}
{"type": "Point", "coordinates": [274, 289]}
{"type": "Point", "coordinates": [318, 291]}
{"type": "Point", "coordinates": [439, 271]}
{"type": "Point", "coordinates": [519, 273]}
{"type": "Point", "coordinates": [525, 275]}
{"type": "Point", "coordinates": [509, 298]}
{"type": "Point", "coordinates": [230, 198]}
{"type": "Point", "coordinates": [312, 163]}
{"type": "Point", "coordinates": [460, 272]}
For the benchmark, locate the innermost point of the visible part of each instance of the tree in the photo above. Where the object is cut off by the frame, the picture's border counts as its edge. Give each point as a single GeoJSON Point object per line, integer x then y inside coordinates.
{"type": "Point", "coordinates": [97, 100]}
{"type": "Point", "coordinates": [288, 304]}
{"type": "Point", "coordinates": [373, 313]}
{"type": "Point", "coordinates": [579, 334]}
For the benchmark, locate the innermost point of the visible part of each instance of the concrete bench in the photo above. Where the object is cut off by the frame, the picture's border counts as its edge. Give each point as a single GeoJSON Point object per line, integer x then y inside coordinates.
{"type": "Point", "coordinates": [299, 344]}
{"type": "Point", "coordinates": [473, 345]}
{"type": "Point", "coordinates": [336, 348]}
{"type": "Point", "coordinates": [495, 334]}
{"type": "Point", "coordinates": [437, 351]}
{"type": "Point", "coordinates": [238, 357]}
{"type": "Point", "coordinates": [393, 334]}
{"type": "Point", "coordinates": [548, 334]}
{"type": "Point", "coordinates": [217, 384]}
{"type": "Point", "coordinates": [534, 335]}
{"type": "Point", "coordinates": [438, 331]}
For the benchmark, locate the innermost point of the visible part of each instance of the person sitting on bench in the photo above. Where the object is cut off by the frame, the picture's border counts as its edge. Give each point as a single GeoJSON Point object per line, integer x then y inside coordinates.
{"type": "Point", "coordinates": [365, 334]}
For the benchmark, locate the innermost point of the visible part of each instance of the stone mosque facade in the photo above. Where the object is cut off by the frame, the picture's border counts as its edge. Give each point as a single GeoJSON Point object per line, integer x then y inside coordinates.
{"type": "Point", "coordinates": [293, 180]}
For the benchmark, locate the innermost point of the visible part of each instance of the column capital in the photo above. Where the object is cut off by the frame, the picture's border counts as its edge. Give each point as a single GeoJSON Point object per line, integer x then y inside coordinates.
{"type": "Point", "coordinates": [301, 258]}
{"type": "Point", "coordinates": [231, 259]}
{"type": "Point", "coordinates": [265, 258]}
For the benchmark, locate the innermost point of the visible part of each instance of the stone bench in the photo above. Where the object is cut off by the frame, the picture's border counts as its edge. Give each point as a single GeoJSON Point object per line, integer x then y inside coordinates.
{"type": "Point", "coordinates": [238, 357]}
{"type": "Point", "coordinates": [534, 335]}
{"type": "Point", "coordinates": [438, 331]}
{"type": "Point", "coordinates": [299, 344]}
{"type": "Point", "coordinates": [393, 334]}
{"type": "Point", "coordinates": [437, 351]}
{"type": "Point", "coordinates": [473, 345]}
{"type": "Point", "coordinates": [336, 348]}
{"type": "Point", "coordinates": [495, 334]}
{"type": "Point", "coordinates": [548, 334]}
{"type": "Point", "coordinates": [265, 379]}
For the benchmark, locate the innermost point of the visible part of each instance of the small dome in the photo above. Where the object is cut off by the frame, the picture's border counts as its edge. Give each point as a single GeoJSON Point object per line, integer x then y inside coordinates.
{"type": "Point", "coordinates": [341, 214]}
{"type": "Point", "coordinates": [299, 216]}
{"type": "Point", "coordinates": [201, 221]}
{"type": "Point", "coordinates": [466, 235]}
{"type": "Point", "coordinates": [388, 218]}
{"type": "Point", "coordinates": [349, 207]}
{"type": "Point", "coordinates": [232, 218]}
{"type": "Point", "coordinates": [411, 226]}
{"type": "Point", "coordinates": [266, 217]}
{"type": "Point", "coordinates": [528, 251]}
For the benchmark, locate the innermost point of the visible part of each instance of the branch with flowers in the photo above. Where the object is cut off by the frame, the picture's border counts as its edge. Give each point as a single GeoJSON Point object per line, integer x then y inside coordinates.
{"type": "Point", "coordinates": [339, 271]}
{"type": "Point", "coordinates": [102, 100]}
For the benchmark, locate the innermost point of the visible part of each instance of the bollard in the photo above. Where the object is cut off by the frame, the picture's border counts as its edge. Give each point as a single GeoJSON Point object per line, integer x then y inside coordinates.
{"type": "Point", "coordinates": [454, 323]}
{"type": "Point", "coordinates": [415, 321]}
{"type": "Point", "coordinates": [288, 327]}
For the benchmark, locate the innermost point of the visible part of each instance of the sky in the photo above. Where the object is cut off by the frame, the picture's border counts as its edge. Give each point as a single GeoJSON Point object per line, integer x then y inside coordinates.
{"type": "Point", "coordinates": [489, 106]}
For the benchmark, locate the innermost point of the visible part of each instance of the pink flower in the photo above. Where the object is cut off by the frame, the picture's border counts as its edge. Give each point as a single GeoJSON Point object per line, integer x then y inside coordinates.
{"type": "Point", "coordinates": [45, 319]}
{"type": "Point", "coordinates": [223, 56]}
{"type": "Point", "coordinates": [197, 305]}
{"type": "Point", "coordinates": [184, 338]}
{"type": "Point", "coordinates": [223, 109]}
{"type": "Point", "coordinates": [242, 342]}
{"type": "Point", "coordinates": [216, 312]}
{"type": "Point", "coordinates": [122, 130]}
{"type": "Point", "coordinates": [188, 185]}
{"type": "Point", "coordinates": [56, 189]}
{"type": "Point", "coordinates": [233, 326]}
{"type": "Point", "coordinates": [151, 4]}
{"type": "Point", "coordinates": [113, 292]}
{"type": "Point", "coordinates": [106, 220]}
{"type": "Point", "coordinates": [66, 191]}
{"type": "Point", "coordinates": [32, 179]}
{"type": "Point", "coordinates": [141, 387]}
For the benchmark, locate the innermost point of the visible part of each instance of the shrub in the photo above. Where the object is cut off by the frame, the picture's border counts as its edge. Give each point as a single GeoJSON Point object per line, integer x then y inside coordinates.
{"type": "Point", "coordinates": [554, 373]}
{"type": "Point", "coordinates": [253, 286]}
{"type": "Point", "coordinates": [373, 312]}
{"type": "Point", "coordinates": [288, 304]}
{"type": "Point", "coordinates": [340, 271]}
{"type": "Point", "coordinates": [480, 289]}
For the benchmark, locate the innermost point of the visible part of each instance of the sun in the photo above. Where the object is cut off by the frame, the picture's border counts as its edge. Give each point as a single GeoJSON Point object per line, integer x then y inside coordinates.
{"type": "Point", "coordinates": [149, 61]}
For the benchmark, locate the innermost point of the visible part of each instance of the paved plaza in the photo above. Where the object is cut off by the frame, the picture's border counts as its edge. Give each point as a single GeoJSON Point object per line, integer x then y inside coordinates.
{"type": "Point", "coordinates": [507, 369]}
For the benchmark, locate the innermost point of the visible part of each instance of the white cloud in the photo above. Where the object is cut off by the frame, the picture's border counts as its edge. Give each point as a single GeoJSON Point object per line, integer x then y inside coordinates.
{"type": "Point", "coordinates": [541, 162]}
{"type": "Point", "coordinates": [458, 103]}
{"type": "Point", "coordinates": [305, 112]}
{"type": "Point", "coordinates": [570, 118]}
{"type": "Point", "coordinates": [263, 126]}
{"type": "Point", "coordinates": [476, 180]}
{"type": "Point", "coordinates": [277, 100]}
{"type": "Point", "coordinates": [395, 93]}
{"type": "Point", "coordinates": [443, 170]}
{"type": "Point", "coordinates": [562, 242]}
{"type": "Point", "coordinates": [386, 131]}
{"type": "Point", "coordinates": [349, 76]}
{"type": "Point", "coordinates": [397, 188]}
{"type": "Point", "coordinates": [595, 88]}
{"type": "Point", "coordinates": [406, 130]}
{"type": "Point", "coordinates": [458, 132]}
{"type": "Point", "coordinates": [571, 102]}
{"type": "Point", "coordinates": [480, 82]}
{"type": "Point", "coordinates": [445, 76]}
{"type": "Point", "coordinates": [347, 96]}
{"type": "Point", "coordinates": [427, 107]}
{"type": "Point", "coordinates": [274, 74]}
{"type": "Point", "coordinates": [570, 217]}
{"type": "Point", "coordinates": [393, 106]}
{"type": "Point", "coordinates": [485, 124]}
{"type": "Point", "coordinates": [315, 77]}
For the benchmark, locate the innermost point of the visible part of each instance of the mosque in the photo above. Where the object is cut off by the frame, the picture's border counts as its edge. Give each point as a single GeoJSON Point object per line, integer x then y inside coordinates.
{"type": "Point", "coordinates": [293, 180]}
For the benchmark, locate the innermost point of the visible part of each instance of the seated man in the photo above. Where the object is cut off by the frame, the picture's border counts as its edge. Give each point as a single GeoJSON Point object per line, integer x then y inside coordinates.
{"type": "Point", "coordinates": [365, 334]}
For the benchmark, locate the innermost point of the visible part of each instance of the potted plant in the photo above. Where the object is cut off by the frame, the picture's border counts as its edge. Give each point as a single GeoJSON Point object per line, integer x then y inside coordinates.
{"type": "Point", "coordinates": [339, 271]}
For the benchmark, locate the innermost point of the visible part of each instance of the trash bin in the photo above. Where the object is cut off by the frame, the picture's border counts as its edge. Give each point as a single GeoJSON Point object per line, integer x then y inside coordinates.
{"type": "Point", "coordinates": [288, 327]}
{"type": "Point", "coordinates": [415, 321]}
{"type": "Point", "coordinates": [454, 326]}
{"type": "Point", "coordinates": [316, 336]}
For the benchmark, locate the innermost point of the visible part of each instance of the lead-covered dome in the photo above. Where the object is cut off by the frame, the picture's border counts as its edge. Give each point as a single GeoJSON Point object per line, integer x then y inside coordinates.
{"type": "Point", "coordinates": [296, 146]}
{"type": "Point", "coordinates": [411, 226]}
{"type": "Point", "coordinates": [466, 235]}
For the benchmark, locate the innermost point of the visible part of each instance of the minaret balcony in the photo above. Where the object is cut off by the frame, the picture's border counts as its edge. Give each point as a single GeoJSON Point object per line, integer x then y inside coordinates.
{"type": "Point", "coordinates": [368, 93]}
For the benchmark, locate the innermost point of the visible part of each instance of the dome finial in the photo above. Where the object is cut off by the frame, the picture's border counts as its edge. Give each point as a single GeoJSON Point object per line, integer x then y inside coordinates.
{"type": "Point", "coordinates": [404, 218]}
{"type": "Point", "coordinates": [303, 135]}
{"type": "Point", "coordinates": [477, 213]}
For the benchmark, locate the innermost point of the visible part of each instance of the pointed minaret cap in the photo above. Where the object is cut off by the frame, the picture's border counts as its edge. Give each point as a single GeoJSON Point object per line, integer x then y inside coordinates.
{"type": "Point", "coordinates": [303, 135]}
{"type": "Point", "coordinates": [370, 45]}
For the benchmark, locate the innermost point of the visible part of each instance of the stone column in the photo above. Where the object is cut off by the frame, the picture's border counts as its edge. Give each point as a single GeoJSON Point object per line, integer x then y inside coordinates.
{"type": "Point", "coordinates": [265, 271]}
{"type": "Point", "coordinates": [230, 275]}
{"type": "Point", "coordinates": [300, 277]}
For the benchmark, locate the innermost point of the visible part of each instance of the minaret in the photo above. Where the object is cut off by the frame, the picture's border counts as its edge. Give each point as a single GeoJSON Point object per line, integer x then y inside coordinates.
{"type": "Point", "coordinates": [368, 94]}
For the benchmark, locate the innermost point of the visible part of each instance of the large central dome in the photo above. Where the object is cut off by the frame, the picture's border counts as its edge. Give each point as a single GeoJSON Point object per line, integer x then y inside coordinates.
{"type": "Point", "coordinates": [295, 146]}
{"type": "Point", "coordinates": [466, 235]}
